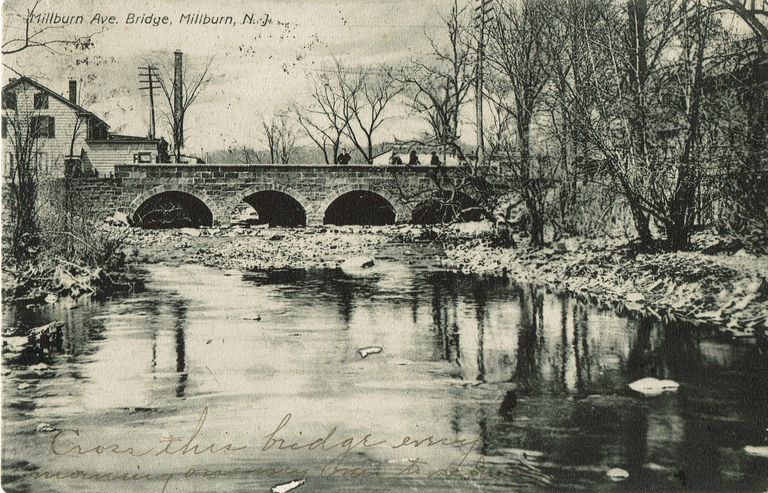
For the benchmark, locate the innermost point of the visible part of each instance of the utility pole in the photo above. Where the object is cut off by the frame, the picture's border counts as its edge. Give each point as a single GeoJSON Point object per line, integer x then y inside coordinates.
{"type": "Point", "coordinates": [148, 82]}
{"type": "Point", "coordinates": [483, 14]}
{"type": "Point", "coordinates": [178, 101]}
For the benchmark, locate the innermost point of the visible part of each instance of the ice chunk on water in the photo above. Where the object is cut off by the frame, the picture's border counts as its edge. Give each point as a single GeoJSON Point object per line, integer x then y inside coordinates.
{"type": "Point", "coordinates": [365, 351]}
{"type": "Point", "coordinates": [654, 386]}
{"type": "Point", "coordinates": [286, 487]}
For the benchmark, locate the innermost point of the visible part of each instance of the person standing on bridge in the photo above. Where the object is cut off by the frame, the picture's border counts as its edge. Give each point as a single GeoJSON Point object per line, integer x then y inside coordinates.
{"type": "Point", "coordinates": [162, 151]}
{"type": "Point", "coordinates": [344, 157]}
{"type": "Point", "coordinates": [435, 160]}
{"type": "Point", "coordinates": [413, 159]}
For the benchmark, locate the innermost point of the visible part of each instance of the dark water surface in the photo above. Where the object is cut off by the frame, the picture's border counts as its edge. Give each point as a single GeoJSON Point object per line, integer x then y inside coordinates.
{"type": "Point", "coordinates": [232, 355]}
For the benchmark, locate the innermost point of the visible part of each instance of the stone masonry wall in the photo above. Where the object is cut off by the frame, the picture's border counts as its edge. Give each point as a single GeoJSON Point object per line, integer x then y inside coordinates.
{"type": "Point", "coordinates": [223, 187]}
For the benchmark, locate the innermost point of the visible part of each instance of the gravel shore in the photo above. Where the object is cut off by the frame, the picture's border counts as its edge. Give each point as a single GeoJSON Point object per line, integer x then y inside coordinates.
{"type": "Point", "coordinates": [257, 249]}
{"type": "Point", "coordinates": [730, 291]}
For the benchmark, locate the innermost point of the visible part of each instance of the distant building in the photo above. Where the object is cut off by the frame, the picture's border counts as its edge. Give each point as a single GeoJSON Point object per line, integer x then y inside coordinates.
{"type": "Point", "coordinates": [65, 134]}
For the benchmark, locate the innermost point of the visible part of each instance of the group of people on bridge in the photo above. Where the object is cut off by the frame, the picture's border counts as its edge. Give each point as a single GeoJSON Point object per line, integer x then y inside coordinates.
{"type": "Point", "coordinates": [413, 159]}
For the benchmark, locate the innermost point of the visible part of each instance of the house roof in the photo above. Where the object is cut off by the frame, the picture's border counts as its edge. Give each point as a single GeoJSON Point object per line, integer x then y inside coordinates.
{"type": "Point", "coordinates": [27, 80]}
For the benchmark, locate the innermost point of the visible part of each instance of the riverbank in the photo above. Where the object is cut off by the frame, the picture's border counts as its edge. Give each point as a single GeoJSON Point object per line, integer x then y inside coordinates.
{"type": "Point", "coordinates": [47, 278]}
{"type": "Point", "coordinates": [727, 290]}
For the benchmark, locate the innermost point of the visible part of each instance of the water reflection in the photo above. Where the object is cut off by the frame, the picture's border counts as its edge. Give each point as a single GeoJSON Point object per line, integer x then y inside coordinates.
{"type": "Point", "coordinates": [515, 366]}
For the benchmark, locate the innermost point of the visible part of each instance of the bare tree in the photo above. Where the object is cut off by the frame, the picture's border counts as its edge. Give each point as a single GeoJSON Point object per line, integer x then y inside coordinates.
{"type": "Point", "coordinates": [350, 103]}
{"type": "Point", "coordinates": [649, 118]}
{"type": "Point", "coordinates": [23, 33]}
{"type": "Point", "coordinates": [280, 137]}
{"type": "Point", "coordinates": [249, 155]}
{"type": "Point", "coordinates": [566, 100]}
{"type": "Point", "coordinates": [324, 120]}
{"type": "Point", "coordinates": [367, 93]}
{"type": "Point", "coordinates": [22, 180]}
{"type": "Point", "coordinates": [438, 85]}
{"type": "Point", "coordinates": [22, 129]}
{"type": "Point", "coordinates": [753, 13]}
{"type": "Point", "coordinates": [192, 85]}
{"type": "Point", "coordinates": [518, 58]}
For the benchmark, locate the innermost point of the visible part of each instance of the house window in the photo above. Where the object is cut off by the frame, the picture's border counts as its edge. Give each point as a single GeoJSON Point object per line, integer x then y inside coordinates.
{"type": "Point", "coordinates": [5, 128]}
{"type": "Point", "coordinates": [142, 157]}
{"type": "Point", "coordinates": [96, 130]}
{"type": "Point", "coordinates": [41, 101]}
{"type": "Point", "coordinates": [43, 127]}
{"type": "Point", "coordinates": [9, 100]}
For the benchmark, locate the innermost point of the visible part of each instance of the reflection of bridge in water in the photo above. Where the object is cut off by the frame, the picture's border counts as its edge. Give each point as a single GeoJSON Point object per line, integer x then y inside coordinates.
{"type": "Point", "coordinates": [282, 195]}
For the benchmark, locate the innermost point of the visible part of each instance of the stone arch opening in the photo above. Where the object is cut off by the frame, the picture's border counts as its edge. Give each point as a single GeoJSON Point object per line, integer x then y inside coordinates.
{"type": "Point", "coordinates": [446, 207]}
{"type": "Point", "coordinates": [172, 209]}
{"type": "Point", "coordinates": [270, 207]}
{"type": "Point", "coordinates": [361, 207]}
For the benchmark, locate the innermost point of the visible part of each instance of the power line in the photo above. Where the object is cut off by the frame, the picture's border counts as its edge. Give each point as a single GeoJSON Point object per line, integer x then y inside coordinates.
{"type": "Point", "coordinates": [148, 77]}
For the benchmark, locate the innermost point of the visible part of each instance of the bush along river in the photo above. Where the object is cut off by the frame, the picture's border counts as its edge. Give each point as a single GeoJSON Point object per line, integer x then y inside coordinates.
{"type": "Point", "coordinates": [392, 377]}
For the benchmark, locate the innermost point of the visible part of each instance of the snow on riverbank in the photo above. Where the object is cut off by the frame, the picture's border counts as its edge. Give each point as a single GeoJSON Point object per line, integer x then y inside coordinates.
{"type": "Point", "coordinates": [249, 249]}
{"type": "Point", "coordinates": [727, 290]}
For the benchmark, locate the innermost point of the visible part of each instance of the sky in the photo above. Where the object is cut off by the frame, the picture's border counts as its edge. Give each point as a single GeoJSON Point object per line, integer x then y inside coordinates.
{"type": "Point", "coordinates": [255, 70]}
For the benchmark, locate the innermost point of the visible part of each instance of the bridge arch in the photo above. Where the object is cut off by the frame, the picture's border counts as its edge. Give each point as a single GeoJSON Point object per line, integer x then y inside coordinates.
{"type": "Point", "coordinates": [277, 205]}
{"type": "Point", "coordinates": [195, 203]}
{"type": "Point", "coordinates": [442, 207]}
{"type": "Point", "coordinates": [359, 205]}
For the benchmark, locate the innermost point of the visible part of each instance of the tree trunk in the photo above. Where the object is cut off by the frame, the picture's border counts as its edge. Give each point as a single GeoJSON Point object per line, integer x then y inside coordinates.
{"type": "Point", "coordinates": [336, 146]}
{"type": "Point", "coordinates": [682, 207]}
{"type": "Point", "coordinates": [642, 223]}
{"type": "Point", "coordinates": [537, 221]}
{"type": "Point", "coordinates": [530, 188]}
{"type": "Point", "coordinates": [369, 158]}
{"type": "Point", "coordinates": [637, 70]}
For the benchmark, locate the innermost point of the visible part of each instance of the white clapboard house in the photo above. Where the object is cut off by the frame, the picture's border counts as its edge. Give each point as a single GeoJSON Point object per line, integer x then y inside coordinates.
{"type": "Point", "coordinates": [63, 134]}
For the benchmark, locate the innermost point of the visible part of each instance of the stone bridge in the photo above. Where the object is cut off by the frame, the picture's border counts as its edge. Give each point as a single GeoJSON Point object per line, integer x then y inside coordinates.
{"type": "Point", "coordinates": [286, 195]}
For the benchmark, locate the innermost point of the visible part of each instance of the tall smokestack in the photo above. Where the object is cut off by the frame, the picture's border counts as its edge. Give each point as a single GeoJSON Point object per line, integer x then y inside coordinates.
{"type": "Point", "coordinates": [177, 96]}
{"type": "Point", "coordinates": [73, 91]}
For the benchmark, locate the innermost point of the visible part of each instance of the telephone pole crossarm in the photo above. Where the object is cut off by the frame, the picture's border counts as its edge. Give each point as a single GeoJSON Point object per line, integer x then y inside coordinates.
{"type": "Point", "coordinates": [148, 81]}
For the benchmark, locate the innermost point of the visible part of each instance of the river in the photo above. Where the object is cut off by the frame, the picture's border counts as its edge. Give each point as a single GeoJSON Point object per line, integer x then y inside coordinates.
{"type": "Point", "coordinates": [259, 360]}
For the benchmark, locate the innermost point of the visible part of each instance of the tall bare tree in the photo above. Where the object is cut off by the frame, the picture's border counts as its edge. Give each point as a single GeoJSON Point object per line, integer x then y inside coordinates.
{"type": "Point", "coordinates": [367, 92]}
{"type": "Point", "coordinates": [22, 179]}
{"type": "Point", "coordinates": [324, 121]}
{"type": "Point", "coordinates": [279, 137]}
{"type": "Point", "coordinates": [519, 61]}
{"type": "Point", "coordinates": [193, 82]}
{"type": "Point", "coordinates": [650, 120]}
{"type": "Point", "coordinates": [567, 101]}
{"type": "Point", "coordinates": [438, 84]}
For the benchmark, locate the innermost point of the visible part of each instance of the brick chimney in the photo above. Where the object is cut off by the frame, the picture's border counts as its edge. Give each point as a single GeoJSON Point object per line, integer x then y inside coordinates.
{"type": "Point", "coordinates": [177, 95]}
{"type": "Point", "coordinates": [73, 91]}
